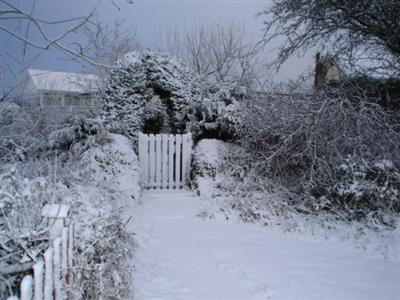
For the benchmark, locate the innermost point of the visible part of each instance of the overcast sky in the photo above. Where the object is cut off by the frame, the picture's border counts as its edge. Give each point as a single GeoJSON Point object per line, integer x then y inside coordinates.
{"type": "Point", "coordinates": [151, 19]}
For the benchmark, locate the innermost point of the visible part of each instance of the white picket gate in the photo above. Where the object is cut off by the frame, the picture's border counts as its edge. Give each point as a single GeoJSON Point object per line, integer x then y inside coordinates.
{"type": "Point", "coordinates": [53, 271]}
{"type": "Point", "coordinates": [165, 159]}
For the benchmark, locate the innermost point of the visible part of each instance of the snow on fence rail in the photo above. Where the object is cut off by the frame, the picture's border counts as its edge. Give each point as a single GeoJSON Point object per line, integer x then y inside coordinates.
{"type": "Point", "coordinates": [165, 159]}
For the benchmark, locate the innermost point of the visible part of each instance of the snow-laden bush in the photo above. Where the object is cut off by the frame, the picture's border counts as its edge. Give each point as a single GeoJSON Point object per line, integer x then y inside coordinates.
{"type": "Point", "coordinates": [208, 158]}
{"type": "Point", "coordinates": [21, 228]}
{"type": "Point", "coordinates": [106, 255]}
{"type": "Point", "coordinates": [73, 129]}
{"type": "Point", "coordinates": [19, 131]}
{"type": "Point", "coordinates": [217, 112]}
{"type": "Point", "coordinates": [302, 141]}
{"type": "Point", "coordinates": [105, 179]}
{"type": "Point", "coordinates": [365, 188]}
{"type": "Point", "coordinates": [154, 92]}
{"type": "Point", "coordinates": [224, 174]}
{"type": "Point", "coordinates": [77, 163]}
{"type": "Point", "coordinates": [140, 77]}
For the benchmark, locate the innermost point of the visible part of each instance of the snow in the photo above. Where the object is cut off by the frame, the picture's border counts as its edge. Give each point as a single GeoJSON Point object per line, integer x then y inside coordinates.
{"type": "Point", "coordinates": [182, 255]}
{"type": "Point", "coordinates": [211, 152]}
{"type": "Point", "coordinates": [55, 211]}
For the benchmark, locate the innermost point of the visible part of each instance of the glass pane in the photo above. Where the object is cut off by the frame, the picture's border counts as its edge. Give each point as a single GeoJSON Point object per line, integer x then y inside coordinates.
{"type": "Point", "coordinates": [85, 101]}
{"type": "Point", "coordinates": [51, 100]}
{"type": "Point", "coordinates": [72, 100]}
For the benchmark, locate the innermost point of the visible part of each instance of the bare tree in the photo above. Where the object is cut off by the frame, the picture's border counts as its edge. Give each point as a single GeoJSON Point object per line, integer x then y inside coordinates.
{"type": "Point", "coordinates": [106, 44]}
{"type": "Point", "coordinates": [217, 52]}
{"type": "Point", "coordinates": [363, 34]}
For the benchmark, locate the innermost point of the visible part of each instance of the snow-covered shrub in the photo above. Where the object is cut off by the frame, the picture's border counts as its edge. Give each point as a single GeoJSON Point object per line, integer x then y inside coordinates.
{"type": "Point", "coordinates": [97, 175]}
{"type": "Point", "coordinates": [207, 161]}
{"type": "Point", "coordinates": [224, 174]}
{"type": "Point", "coordinates": [73, 130]}
{"type": "Point", "coordinates": [106, 258]}
{"type": "Point", "coordinates": [365, 189]}
{"type": "Point", "coordinates": [105, 180]}
{"type": "Point", "coordinates": [208, 157]}
{"type": "Point", "coordinates": [217, 111]}
{"type": "Point", "coordinates": [21, 227]}
{"type": "Point", "coordinates": [301, 141]}
{"type": "Point", "coordinates": [140, 77]}
{"type": "Point", "coordinates": [19, 131]}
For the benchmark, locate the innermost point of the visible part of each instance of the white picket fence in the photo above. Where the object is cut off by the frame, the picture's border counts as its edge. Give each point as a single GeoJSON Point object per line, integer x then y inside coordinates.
{"type": "Point", "coordinates": [53, 271]}
{"type": "Point", "coordinates": [165, 159]}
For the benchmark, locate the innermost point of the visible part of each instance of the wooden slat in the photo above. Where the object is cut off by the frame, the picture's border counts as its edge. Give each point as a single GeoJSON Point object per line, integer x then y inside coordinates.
{"type": "Point", "coordinates": [189, 146]}
{"type": "Point", "coordinates": [26, 288]}
{"type": "Point", "coordinates": [152, 160]}
{"type": "Point", "coordinates": [158, 161]}
{"type": "Point", "coordinates": [178, 145]}
{"type": "Point", "coordinates": [38, 275]}
{"type": "Point", "coordinates": [171, 165]}
{"type": "Point", "coordinates": [184, 157]}
{"type": "Point", "coordinates": [164, 159]}
{"type": "Point", "coordinates": [57, 269]}
{"type": "Point", "coordinates": [64, 253]}
{"type": "Point", "coordinates": [48, 274]}
{"type": "Point", "coordinates": [141, 155]}
{"type": "Point", "coordinates": [146, 158]}
{"type": "Point", "coordinates": [70, 253]}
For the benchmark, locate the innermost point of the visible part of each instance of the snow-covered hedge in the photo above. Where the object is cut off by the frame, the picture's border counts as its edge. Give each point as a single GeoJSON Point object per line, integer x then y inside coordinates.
{"type": "Point", "coordinates": [224, 176]}
{"type": "Point", "coordinates": [105, 179]}
{"type": "Point", "coordinates": [217, 112]}
{"type": "Point", "coordinates": [73, 129]}
{"type": "Point", "coordinates": [304, 141]}
{"type": "Point", "coordinates": [365, 189]}
{"type": "Point", "coordinates": [155, 92]}
{"type": "Point", "coordinates": [21, 226]}
{"type": "Point", "coordinates": [19, 131]}
{"type": "Point", "coordinates": [139, 79]}
{"type": "Point", "coordinates": [78, 163]}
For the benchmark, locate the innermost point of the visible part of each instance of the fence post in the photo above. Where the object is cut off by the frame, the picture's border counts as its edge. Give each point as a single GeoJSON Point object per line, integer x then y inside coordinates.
{"type": "Point", "coordinates": [64, 254]}
{"type": "Point", "coordinates": [70, 276]}
{"type": "Point", "coordinates": [57, 269]}
{"type": "Point", "coordinates": [71, 253]}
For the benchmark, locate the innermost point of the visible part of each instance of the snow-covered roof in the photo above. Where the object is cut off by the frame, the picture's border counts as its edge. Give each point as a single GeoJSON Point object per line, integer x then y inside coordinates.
{"type": "Point", "coordinates": [45, 80]}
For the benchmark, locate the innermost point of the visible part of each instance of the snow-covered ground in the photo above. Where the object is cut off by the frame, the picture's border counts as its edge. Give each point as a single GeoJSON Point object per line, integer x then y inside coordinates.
{"type": "Point", "coordinates": [181, 255]}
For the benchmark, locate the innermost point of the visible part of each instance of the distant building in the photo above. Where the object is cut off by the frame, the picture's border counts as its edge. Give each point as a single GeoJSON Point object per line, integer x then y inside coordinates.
{"type": "Point", "coordinates": [49, 89]}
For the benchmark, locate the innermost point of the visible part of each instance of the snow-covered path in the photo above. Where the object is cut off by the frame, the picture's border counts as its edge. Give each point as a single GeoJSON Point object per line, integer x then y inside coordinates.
{"type": "Point", "coordinates": [181, 256]}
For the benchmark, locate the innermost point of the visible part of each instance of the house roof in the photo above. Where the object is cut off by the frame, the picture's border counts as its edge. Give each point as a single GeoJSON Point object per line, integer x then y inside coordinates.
{"type": "Point", "coordinates": [45, 80]}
